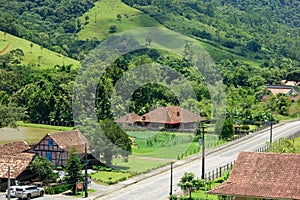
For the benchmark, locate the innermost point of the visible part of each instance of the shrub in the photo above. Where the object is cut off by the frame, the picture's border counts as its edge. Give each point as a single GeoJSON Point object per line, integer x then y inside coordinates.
{"type": "Point", "coordinates": [57, 189]}
{"type": "Point", "coordinates": [258, 123]}
{"type": "Point", "coordinates": [245, 127]}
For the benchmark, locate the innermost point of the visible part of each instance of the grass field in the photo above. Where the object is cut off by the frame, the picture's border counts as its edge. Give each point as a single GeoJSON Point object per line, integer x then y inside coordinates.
{"type": "Point", "coordinates": [36, 56]}
{"type": "Point", "coordinates": [139, 164]}
{"type": "Point", "coordinates": [45, 126]}
{"type": "Point", "coordinates": [110, 177]}
{"type": "Point", "coordinates": [28, 134]}
{"type": "Point", "coordinates": [167, 145]}
{"type": "Point", "coordinates": [104, 14]}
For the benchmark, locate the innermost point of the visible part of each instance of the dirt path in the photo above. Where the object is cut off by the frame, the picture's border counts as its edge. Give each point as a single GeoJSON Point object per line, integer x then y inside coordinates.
{"type": "Point", "coordinates": [6, 49]}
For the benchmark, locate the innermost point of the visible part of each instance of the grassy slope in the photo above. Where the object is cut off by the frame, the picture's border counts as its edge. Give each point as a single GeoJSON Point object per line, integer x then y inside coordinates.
{"type": "Point", "coordinates": [104, 14]}
{"type": "Point", "coordinates": [28, 134]}
{"type": "Point", "coordinates": [48, 58]}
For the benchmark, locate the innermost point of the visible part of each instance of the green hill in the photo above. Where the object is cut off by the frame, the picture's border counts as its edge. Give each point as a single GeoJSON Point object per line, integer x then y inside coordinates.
{"type": "Point", "coordinates": [106, 13]}
{"type": "Point", "coordinates": [34, 54]}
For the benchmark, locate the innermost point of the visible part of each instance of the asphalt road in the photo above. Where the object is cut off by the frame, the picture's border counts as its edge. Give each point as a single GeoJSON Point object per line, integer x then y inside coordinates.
{"type": "Point", "coordinates": [158, 186]}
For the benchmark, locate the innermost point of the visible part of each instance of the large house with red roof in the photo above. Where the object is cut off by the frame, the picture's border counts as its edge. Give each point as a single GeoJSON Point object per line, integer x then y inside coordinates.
{"type": "Point", "coordinates": [170, 117]}
{"type": "Point", "coordinates": [262, 176]}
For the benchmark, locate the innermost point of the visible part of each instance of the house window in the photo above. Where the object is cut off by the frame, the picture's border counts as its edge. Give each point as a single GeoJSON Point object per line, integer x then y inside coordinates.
{"type": "Point", "coordinates": [50, 142]}
{"type": "Point", "coordinates": [49, 156]}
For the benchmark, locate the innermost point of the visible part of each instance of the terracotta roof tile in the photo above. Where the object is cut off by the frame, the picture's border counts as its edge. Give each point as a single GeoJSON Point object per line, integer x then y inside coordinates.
{"type": "Point", "coordinates": [18, 163]}
{"type": "Point", "coordinates": [171, 114]}
{"type": "Point", "coordinates": [129, 118]}
{"type": "Point", "coordinates": [14, 148]}
{"type": "Point", "coordinates": [68, 139]}
{"type": "Point", "coordinates": [263, 175]}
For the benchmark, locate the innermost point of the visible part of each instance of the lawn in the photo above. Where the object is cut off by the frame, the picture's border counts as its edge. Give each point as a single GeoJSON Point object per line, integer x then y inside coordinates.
{"type": "Point", "coordinates": [36, 56]}
{"type": "Point", "coordinates": [137, 165]}
{"type": "Point", "coordinates": [168, 145]}
{"type": "Point", "coordinates": [110, 177]}
{"type": "Point", "coordinates": [104, 14]}
{"type": "Point", "coordinates": [28, 134]}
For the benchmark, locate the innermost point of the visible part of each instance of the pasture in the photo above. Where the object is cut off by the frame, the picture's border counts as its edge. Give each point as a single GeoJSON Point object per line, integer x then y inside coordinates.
{"type": "Point", "coordinates": [107, 13]}
{"type": "Point", "coordinates": [29, 134]}
{"type": "Point", "coordinates": [34, 54]}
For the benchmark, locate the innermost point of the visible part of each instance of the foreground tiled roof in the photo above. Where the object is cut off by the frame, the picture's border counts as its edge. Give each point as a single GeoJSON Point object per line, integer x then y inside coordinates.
{"type": "Point", "coordinates": [68, 139]}
{"type": "Point", "coordinates": [171, 114]}
{"type": "Point", "coordinates": [18, 163]}
{"type": "Point", "coordinates": [129, 118]}
{"type": "Point", "coordinates": [263, 175]}
{"type": "Point", "coordinates": [14, 148]}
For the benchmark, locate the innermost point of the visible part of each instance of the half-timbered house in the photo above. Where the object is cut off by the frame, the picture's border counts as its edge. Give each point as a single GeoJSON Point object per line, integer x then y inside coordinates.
{"type": "Point", "coordinates": [56, 146]}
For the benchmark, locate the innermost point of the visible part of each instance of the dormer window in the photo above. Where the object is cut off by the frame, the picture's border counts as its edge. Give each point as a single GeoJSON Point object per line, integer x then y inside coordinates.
{"type": "Point", "coordinates": [178, 114]}
{"type": "Point", "coordinates": [143, 117]}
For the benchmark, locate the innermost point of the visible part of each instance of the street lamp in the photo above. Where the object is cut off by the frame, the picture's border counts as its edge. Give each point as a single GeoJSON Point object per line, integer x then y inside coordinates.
{"type": "Point", "coordinates": [201, 141]}
{"type": "Point", "coordinates": [171, 181]}
{"type": "Point", "coordinates": [203, 153]}
{"type": "Point", "coordinates": [85, 172]}
{"type": "Point", "coordinates": [271, 129]}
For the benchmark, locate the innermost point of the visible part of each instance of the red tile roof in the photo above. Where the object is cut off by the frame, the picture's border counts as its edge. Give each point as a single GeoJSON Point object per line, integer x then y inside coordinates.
{"type": "Point", "coordinates": [171, 115]}
{"type": "Point", "coordinates": [68, 139]}
{"type": "Point", "coordinates": [18, 163]}
{"type": "Point", "coordinates": [129, 118]}
{"type": "Point", "coordinates": [14, 148]}
{"type": "Point", "coordinates": [263, 175]}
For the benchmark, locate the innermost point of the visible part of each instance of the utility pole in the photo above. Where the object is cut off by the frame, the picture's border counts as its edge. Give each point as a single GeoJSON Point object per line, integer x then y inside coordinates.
{"type": "Point", "coordinates": [8, 183]}
{"type": "Point", "coordinates": [85, 172]}
{"type": "Point", "coordinates": [203, 153]}
{"type": "Point", "coordinates": [171, 181]}
{"type": "Point", "coordinates": [271, 132]}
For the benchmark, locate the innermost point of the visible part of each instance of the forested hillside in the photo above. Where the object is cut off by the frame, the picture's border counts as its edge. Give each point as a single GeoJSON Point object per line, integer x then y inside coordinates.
{"type": "Point", "coordinates": [53, 24]}
{"type": "Point", "coordinates": [253, 43]}
{"type": "Point", "coordinates": [258, 29]}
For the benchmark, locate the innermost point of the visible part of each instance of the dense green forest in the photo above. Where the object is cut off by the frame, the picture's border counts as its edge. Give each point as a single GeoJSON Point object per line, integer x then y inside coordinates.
{"type": "Point", "coordinates": [265, 32]}
{"type": "Point", "coordinates": [259, 29]}
{"type": "Point", "coordinates": [53, 24]}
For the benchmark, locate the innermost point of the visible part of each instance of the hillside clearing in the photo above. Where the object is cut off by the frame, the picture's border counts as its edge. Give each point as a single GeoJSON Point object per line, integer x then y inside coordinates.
{"type": "Point", "coordinates": [34, 54]}
{"type": "Point", "coordinates": [104, 14]}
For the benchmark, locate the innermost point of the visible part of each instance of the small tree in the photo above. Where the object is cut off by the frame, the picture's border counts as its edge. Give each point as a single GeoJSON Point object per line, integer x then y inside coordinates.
{"type": "Point", "coordinates": [73, 168]}
{"type": "Point", "coordinates": [225, 130]}
{"type": "Point", "coordinates": [112, 28]}
{"type": "Point", "coordinates": [42, 167]}
{"type": "Point", "coordinates": [188, 183]}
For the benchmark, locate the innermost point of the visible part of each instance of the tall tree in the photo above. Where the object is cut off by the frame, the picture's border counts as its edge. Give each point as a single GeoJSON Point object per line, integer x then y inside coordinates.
{"type": "Point", "coordinates": [74, 168]}
{"type": "Point", "coordinates": [118, 142]}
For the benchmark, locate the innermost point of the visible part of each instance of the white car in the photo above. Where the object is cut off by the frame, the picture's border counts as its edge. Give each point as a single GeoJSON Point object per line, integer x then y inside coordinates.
{"type": "Point", "coordinates": [12, 191]}
{"type": "Point", "coordinates": [29, 191]}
